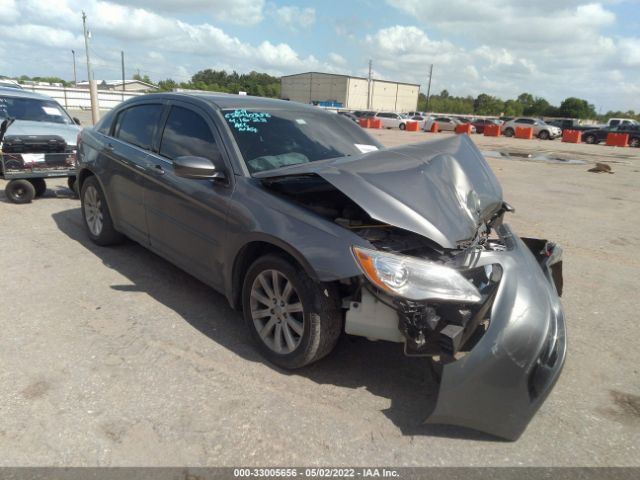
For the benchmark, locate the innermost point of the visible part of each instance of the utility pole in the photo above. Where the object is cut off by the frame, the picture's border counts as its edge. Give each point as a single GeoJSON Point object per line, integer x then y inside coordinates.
{"type": "Point", "coordinates": [75, 77]}
{"type": "Point", "coordinates": [93, 90]}
{"type": "Point", "coordinates": [122, 58]}
{"type": "Point", "coordinates": [369, 88]}
{"type": "Point", "coordinates": [429, 87]}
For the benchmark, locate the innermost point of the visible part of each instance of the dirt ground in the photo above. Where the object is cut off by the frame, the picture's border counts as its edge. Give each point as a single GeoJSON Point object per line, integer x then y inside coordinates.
{"type": "Point", "coordinates": [112, 356]}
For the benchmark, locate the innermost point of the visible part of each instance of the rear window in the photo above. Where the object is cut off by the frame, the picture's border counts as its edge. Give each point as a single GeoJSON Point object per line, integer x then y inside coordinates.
{"type": "Point", "coordinates": [136, 125]}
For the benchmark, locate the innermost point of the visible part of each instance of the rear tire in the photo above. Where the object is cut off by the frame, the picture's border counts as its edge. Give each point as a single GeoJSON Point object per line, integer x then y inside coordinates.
{"type": "Point", "coordinates": [96, 215]}
{"type": "Point", "coordinates": [40, 186]}
{"type": "Point", "coordinates": [293, 320]}
{"type": "Point", "coordinates": [590, 139]}
{"type": "Point", "coordinates": [20, 191]}
{"type": "Point", "coordinates": [634, 142]}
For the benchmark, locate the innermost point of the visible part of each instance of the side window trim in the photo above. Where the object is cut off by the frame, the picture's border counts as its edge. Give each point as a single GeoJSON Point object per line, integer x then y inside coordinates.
{"type": "Point", "coordinates": [117, 125]}
{"type": "Point", "coordinates": [213, 128]}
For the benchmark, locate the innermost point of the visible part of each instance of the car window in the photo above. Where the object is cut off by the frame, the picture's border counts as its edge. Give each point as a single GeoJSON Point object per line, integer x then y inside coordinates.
{"type": "Point", "coordinates": [274, 138]}
{"type": "Point", "coordinates": [33, 110]}
{"type": "Point", "coordinates": [186, 133]}
{"type": "Point", "coordinates": [136, 125]}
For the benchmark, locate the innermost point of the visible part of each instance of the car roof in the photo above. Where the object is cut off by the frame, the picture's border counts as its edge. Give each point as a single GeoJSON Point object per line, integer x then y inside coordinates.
{"type": "Point", "coordinates": [225, 101]}
{"type": "Point", "coordinates": [16, 92]}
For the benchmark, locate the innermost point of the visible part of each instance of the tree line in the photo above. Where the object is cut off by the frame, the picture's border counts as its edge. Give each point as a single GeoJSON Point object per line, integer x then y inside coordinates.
{"type": "Point", "coordinates": [524, 105]}
{"type": "Point", "coordinates": [265, 85]}
{"type": "Point", "coordinates": [254, 83]}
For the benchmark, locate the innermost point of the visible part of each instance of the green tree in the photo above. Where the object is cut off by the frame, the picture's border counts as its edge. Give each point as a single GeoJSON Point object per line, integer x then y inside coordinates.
{"type": "Point", "coordinates": [513, 108]}
{"type": "Point", "coordinates": [573, 107]}
{"type": "Point", "coordinates": [145, 79]}
{"type": "Point", "coordinates": [167, 85]}
{"type": "Point", "coordinates": [487, 105]}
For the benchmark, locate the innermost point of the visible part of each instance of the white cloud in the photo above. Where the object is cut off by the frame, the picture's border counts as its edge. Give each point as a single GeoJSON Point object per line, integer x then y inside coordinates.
{"type": "Point", "coordinates": [241, 12]}
{"type": "Point", "coordinates": [337, 59]}
{"type": "Point", "coordinates": [294, 18]}
{"type": "Point", "coordinates": [630, 51]}
{"type": "Point", "coordinates": [158, 45]}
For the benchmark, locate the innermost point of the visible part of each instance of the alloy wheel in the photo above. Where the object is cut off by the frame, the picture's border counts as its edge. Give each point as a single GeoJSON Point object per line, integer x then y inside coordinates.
{"type": "Point", "coordinates": [277, 311]}
{"type": "Point", "coordinates": [93, 210]}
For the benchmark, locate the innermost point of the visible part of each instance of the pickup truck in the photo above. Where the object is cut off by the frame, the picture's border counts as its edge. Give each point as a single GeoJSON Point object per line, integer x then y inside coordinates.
{"type": "Point", "coordinates": [571, 124]}
{"type": "Point", "coordinates": [617, 122]}
{"type": "Point", "coordinates": [598, 135]}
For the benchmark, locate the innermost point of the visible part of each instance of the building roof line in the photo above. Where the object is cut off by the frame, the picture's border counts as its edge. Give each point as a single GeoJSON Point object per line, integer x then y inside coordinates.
{"type": "Point", "coordinates": [350, 76]}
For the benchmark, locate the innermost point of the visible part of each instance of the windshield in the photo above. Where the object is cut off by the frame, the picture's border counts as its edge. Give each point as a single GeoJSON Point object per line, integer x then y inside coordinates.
{"type": "Point", "coordinates": [274, 138]}
{"type": "Point", "coordinates": [33, 109]}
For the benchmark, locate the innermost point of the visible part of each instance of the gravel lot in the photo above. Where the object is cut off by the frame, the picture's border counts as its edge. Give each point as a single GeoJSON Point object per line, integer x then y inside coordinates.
{"type": "Point", "coordinates": [112, 356]}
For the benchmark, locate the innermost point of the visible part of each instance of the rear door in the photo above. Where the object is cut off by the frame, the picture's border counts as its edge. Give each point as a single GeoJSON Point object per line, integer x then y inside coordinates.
{"type": "Point", "coordinates": [129, 147]}
{"type": "Point", "coordinates": [187, 217]}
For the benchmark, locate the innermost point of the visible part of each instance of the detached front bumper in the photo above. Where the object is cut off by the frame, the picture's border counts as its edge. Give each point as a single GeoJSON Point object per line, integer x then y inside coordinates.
{"type": "Point", "coordinates": [498, 386]}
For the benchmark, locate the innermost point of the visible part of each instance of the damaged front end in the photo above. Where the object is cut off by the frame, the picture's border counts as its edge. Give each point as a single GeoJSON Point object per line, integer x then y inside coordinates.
{"type": "Point", "coordinates": [500, 352]}
{"type": "Point", "coordinates": [444, 275]}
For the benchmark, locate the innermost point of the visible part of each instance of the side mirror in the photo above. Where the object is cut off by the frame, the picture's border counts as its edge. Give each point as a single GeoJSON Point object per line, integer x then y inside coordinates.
{"type": "Point", "coordinates": [76, 120]}
{"type": "Point", "coordinates": [200, 167]}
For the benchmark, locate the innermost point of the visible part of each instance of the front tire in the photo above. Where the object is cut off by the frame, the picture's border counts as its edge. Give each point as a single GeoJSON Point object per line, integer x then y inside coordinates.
{"type": "Point", "coordinates": [543, 135]}
{"type": "Point", "coordinates": [590, 139]}
{"type": "Point", "coordinates": [402, 126]}
{"type": "Point", "coordinates": [96, 215]}
{"type": "Point", "coordinates": [634, 142]}
{"type": "Point", "coordinates": [508, 132]}
{"type": "Point", "coordinates": [293, 320]}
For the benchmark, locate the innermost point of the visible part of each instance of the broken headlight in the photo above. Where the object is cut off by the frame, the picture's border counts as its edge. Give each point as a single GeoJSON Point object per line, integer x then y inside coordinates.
{"type": "Point", "coordinates": [414, 279]}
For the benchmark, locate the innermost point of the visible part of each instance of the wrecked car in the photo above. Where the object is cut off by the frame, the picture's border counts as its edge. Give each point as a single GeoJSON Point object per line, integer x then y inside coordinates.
{"type": "Point", "coordinates": [312, 229]}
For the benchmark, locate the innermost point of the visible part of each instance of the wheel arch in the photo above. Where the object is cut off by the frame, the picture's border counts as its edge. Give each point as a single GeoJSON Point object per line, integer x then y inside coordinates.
{"type": "Point", "coordinates": [250, 252]}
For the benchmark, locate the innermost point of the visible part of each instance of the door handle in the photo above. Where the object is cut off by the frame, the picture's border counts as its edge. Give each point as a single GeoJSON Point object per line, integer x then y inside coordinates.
{"type": "Point", "coordinates": [159, 170]}
{"type": "Point", "coordinates": [109, 147]}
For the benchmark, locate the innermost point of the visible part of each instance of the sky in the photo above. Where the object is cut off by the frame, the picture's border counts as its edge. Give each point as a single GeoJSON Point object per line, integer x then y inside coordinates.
{"type": "Point", "coordinates": [549, 48]}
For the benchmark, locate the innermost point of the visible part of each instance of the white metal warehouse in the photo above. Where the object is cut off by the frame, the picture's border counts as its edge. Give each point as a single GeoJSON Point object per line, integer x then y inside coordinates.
{"type": "Point", "coordinates": [349, 92]}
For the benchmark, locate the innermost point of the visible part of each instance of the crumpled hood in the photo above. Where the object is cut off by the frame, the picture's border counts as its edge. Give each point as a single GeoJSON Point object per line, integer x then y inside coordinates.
{"type": "Point", "coordinates": [442, 189]}
{"type": "Point", "coordinates": [24, 127]}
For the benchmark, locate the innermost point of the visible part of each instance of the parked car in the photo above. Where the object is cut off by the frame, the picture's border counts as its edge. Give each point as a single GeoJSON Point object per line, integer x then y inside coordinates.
{"type": "Point", "coordinates": [364, 113]}
{"type": "Point", "coordinates": [570, 124]}
{"type": "Point", "coordinates": [598, 135]}
{"type": "Point", "coordinates": [540, 129]}
{"type": "Point", "coordinates": [8, 83]}
{"type": "Point", "coordinates": [41, 125]}
{"type": "Point", "coordinates": [348, 115]}
{"type": "Point", "coordinates": [450, 124]}
{"type": "Point", "coordinates": [392, 120]}
{"type": "Point", "coordinates": [311, 227]}
{"type": "Point", "coordinates": [480, 123]}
